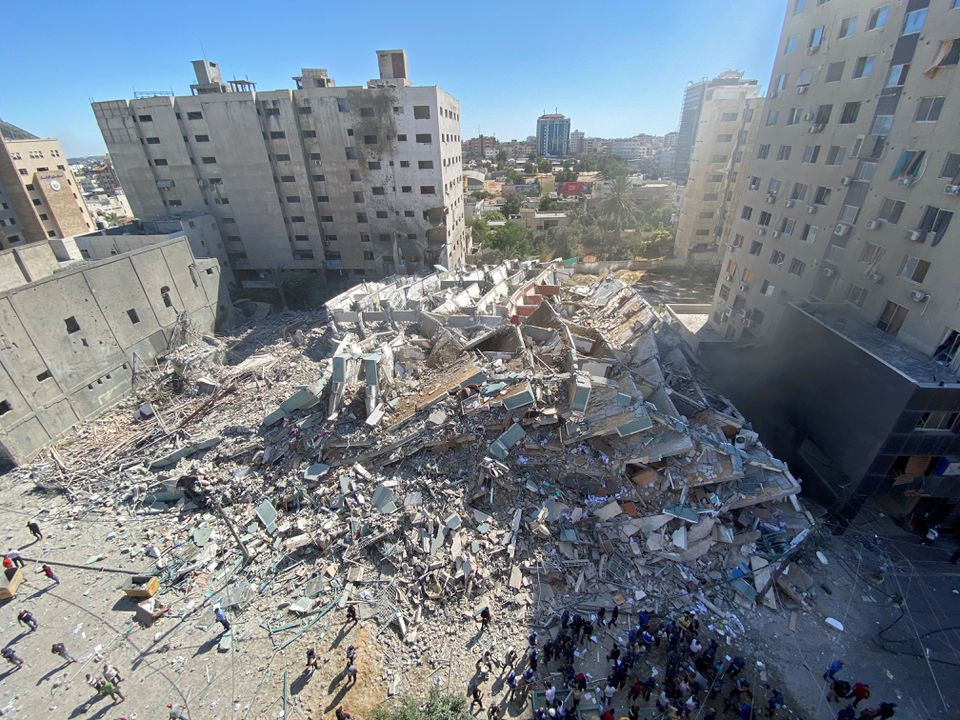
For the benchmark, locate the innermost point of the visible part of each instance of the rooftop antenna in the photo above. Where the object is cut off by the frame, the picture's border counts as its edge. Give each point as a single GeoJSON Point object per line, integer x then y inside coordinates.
{"type": "Point", "coordinates": [203, 51]}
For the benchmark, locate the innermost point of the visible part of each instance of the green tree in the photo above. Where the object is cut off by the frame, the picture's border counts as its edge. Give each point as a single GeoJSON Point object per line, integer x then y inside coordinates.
{"type": "Point", "coordinates": [436, 706]}
{"type": "Point", "coordinates": [493, 216]}
{"type": "Point", "coordinates": [502, 156]}
{"type": "Point", "coordinates": [511, 204]}
{"type": "Point", "coordinates": [513, 177]}
{"type": "Point", "coordinates": [547, 204]}
{"type": "Point", "coordinates": [544, 165]}
{"type": "Point", "coordinates": [480, 195]}
{"type": "Point", "coordinates": [529, 168]}
{"type": "Point", "coordinates": [618, 211]}
{"type": "Point", "coordinates": [562, 241]}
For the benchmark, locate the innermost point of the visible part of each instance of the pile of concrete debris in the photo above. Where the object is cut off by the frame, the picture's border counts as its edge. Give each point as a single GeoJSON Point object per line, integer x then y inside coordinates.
{"type": "Point", "coordinates": [497, 436]}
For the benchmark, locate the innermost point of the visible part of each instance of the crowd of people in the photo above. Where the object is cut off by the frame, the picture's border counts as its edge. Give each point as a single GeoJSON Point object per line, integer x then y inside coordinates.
{"type": "Point", "coordinates": [656, 667]}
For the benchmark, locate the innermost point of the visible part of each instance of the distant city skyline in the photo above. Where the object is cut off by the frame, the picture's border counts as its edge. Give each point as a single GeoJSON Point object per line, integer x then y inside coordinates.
{"type": "Point", "coordinates": [618, 70]}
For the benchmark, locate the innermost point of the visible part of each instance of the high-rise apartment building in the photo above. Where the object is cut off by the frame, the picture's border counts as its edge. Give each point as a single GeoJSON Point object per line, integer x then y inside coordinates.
{"type": "Point", "coordinates": [360, 180]}
{"type": "Point", "coordinates": [728, 119]}
{"type": "Point", "coordinates": [39, 196]}
{"type": "Point", "coordinates": [483, 147]}
{"type": "Point", "coordinates": [576, 142]}
{"type": "Point", "coordinates": [693, 97]}
{"type": "Point", "coordinates": [841, 264]}
{"type": "Point", "coordinates": [553, 135]}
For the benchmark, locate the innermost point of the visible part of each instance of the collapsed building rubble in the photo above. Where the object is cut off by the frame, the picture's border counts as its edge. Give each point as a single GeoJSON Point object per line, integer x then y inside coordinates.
{"type": "Point", "coordinates": [501, 435]}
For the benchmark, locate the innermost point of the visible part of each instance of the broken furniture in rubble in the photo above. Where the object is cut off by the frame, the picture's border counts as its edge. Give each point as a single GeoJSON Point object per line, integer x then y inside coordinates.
{"type": "Point", "coordinates": [10, 582]}
{"type": "Point", "coordinates": [141, 586]}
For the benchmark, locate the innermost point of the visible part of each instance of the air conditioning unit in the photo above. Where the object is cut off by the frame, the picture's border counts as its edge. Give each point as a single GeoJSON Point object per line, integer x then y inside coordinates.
{"type": "Point", "coordinates": [746, 322]}
{"type": "Point", "coordinates": [874, 224]}
{"type": "Point", "coordinates": [807, 117]}
{"type": "Point", "coordinates": [817, 127]}
{"type": "Point", "coordinates": [775, 233]}
{"type": "Point", "coordinates": [917, 235]}
{"type": "Point", "coordinates": [827, 271]}
{"type": "Point", "coordinates": [744, 287]}
{"type": "Point", "coordinates": [801, 89]}
{"type": "Point", "coordinates": [788, 203]}
{"type": "Point", "coordinates": [846, 180]}
{"type": "Point", "coordinates": [919, 296]}
{"type": "Point", "coordinates": [761, 230]}
{"type": "Point", "coordinates": [728, 277]}
{"type": "Point", "coordinates": [731, 247]}
{"type": "Point", "coordinates": [875, 277]}
{"type": "Point", "coordinates": [841, 229]}
{"type": "Point", "coordinates": [771, 198]}
{"type": "Point", "coordinates": [202, 182]}
{"type": "Point", "coordinates": [951, 190]}
{"type": "Point", "coordinates": [812, 209]}
{"type": "Point", "coordinates": [907, 181]}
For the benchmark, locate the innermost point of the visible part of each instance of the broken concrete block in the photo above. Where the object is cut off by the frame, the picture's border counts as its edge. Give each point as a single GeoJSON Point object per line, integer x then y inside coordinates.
{"type": "Point", "coordinates": [297, 542]}
{"type": "Point", "coordinates": [608, 511]}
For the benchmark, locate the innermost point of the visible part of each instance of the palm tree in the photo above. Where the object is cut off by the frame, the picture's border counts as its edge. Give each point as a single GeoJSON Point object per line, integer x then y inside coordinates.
{"type": "Point", "coordinates": [618, 210]}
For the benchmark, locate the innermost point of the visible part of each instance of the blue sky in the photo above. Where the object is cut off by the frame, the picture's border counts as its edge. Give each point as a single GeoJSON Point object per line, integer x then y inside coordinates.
{"type": "Point", "coordinates": [616, 68]}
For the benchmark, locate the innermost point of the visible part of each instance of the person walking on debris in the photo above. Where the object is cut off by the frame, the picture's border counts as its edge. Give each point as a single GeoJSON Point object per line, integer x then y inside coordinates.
{"type": "Point", "coordinates": [932, 534]}
{"type": "Point", "coordinates": [476, 697]}
{"type": "Point", "coordinates": [111, 674]}
{"type": "Point", "coordinates": [351, 654]}
{"type": "Point", "coordinates": [861, 691]}
{"type": "Point", "coordinates": [48, 571]}
{"type": "Point", "coordinates": [839, 690]}
{"type": "Point", "coordinates": [774, 703]}
{"type": "Point", "coordinates": [25, 617]}
{"type": "Point", "coordinates": [342, 714]}
{"type": "Point", "coordinates": [35, 530]}
{"type": "Point", "coordinates": [61, 650]}
{"type": "Point", "coordinates": [847, 713]}
{"type": "Point", "coordinates": [352, 615]}
{"type": "Point", "coordinates": [351, 673]}
{"type": "Point", "coordinates": [11, 657]}
{"type": "Point", "coordinates": [15, 558]}
{"type": "Point", "coordinates": [511, 685]}
{"type": "Point", "coordinates": [510, 658]}
{"type": "Point", "coordinates": [886, 710]}
{"type": "Point", "coordinates": [313, 662]}
{"type": "Point", "coordinates": [835, 667]}
{"type": "Point", "coordinates": [221, 617]}
{"type": "Point", "coordinates": [601, 616]}
{"type": "Point", "coordinates": [484, 618]}
{"type": "Point", "coordinates": [614, 614]}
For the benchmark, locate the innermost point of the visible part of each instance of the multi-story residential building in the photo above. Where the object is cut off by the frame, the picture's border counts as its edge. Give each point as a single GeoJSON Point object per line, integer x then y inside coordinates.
{"type": "Point", "coordinates": [690, 109]}
{"type": "Point", "coordinates": [841, 265]}
{"type": "Point", "coordinates": [576, 142]}
{"type": "Point", "coordinates": [361, 180]}
{"type": "Point", "coordinates": [517, 149]}
{"type": "Point", "coordinates": [553, 135]}
{"type": "Point", "coordinates": [483, 147]}
{"type": "Point", "coordinates": [39, 195]}
{"type": "Point", "coordinates": [727, 126]}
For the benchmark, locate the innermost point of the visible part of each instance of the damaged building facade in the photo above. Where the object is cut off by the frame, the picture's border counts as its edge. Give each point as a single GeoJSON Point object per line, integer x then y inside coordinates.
{"type": "Point", "coordinates": [76, 334]}
{"type": "Point", "coordinates": [347, 181]}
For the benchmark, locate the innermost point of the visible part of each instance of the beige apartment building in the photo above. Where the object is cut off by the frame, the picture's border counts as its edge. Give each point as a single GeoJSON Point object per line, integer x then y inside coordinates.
{"type": "Point", "coordinates": [39, 195]}
{"type": "Point", "coordinates": [839, 287]}
{"type": "Point", "coordinates": [729, 115]}
{"type": "Point", "coordinates": [360, 181]}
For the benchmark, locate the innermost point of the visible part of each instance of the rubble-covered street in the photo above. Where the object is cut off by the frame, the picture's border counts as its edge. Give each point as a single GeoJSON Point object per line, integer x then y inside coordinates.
{"type": "Point", "coordinates": [515, 438]}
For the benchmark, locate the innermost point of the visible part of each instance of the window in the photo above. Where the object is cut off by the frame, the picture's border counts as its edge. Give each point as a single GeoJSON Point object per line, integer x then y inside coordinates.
{"type": "Point", "coordinates": [756, 247]}
{"type": "Point", "coordinates": [780, 84]}
{"type": "Point", "coordinates": [404, 163]}
{"type": "Point", "coordinates": [303, 254]}
{"type": "Point", "coordinates": [791, 45]}
{"type": "Point", "coordinates": [293, 198]}
{"type": "Point", "coordinates": [210, 160]}
{"type": "Point", "coordinates": [145, 118]}
{"type": "Point", "coordinates": [301, 238]}
{"type": "Point", "coordinates": [132, 314]}
{"type": "Point", "coordinates": [816, 39]}
{"type": "Point", "coordinates": [424, 138]}
{"type": "Point", "coordinates": [834, 72]}
{"type": "Point", "coordinates": [871, 253]}
{"type": "Point", "coordinates": [898, 75]}
{"type": "Point", "coordinates": [297, 218]}
{"type": "Point", "coordinates": [784, 152]}
{"type": "Point", "coordinates": [711, 197]}
{"type": "Point", "coordinates": [856, 295]}
{"type": "Point", "coordinates": [309, 133]}
{"type": "Point", "coordinates": [377, 190]}
{"type": "Point", "coordinates": [724, 292]}
{"type": "Point", "coordinates": [928, 109]}
{"type": "Point", "coordinates": [951, 166]}
{"type": "Point", "coordinates": [153, 141]}
{"type": "Point", "coordinates": [159, 162]}
{"type": "Point", "coordinates": [421, 112]}
{"type": "Point", "coordinates": [283, 157]}
{"type": "Point", "coordinates": [366, 112]}
{"type": "Point", "coordinates": [36, 202]}
{"type": "Point", "coordinates": [799, 191]}
{"type": "Point", "coordinates": [809, 233]}
{"type": "Point", "coordinates": [848, 26]}
{"type": "Point", "coordinates": [369, 139]}
{"type": "Point", "coordinates": [947, 54]}
{"type": "Point", "coordinates": [891, 210]}
{"type": "Point", "coordinates": [805, 77]}
{"type": "Point", "coordinates": [351, 154]}
{"type": "Point", "coordinates": [329, 219]}
{"type": "Point", "coordinates": [72, 325]}
{"type": "Point", "coordinates": [799, 6]}
{"type": "Point", "coordinates": [767, 288]}
{"type": "Point", "coordinates": [935, 221]}
{"type": "Point", "coordinates": [937, 420]}
{"type": "Point", "coordinates": [319, 178]}
{"type": "Point", "coordinates": [408, 213]}
{"type": "Point", "coordinates": [362, 217]}
{"type": "Point", "coordinates": [909, 165]}
{"type": "Point", "coordinates": [719, 158]}
{"type": "Point", "coordinates": [754, 182]}
{"type": "Point", "coordinates": [881, 125]}
{"type": "Point", "coordinates": [835, 155]}
{"type": "Point", "coordinates": [287, 178]}
{"type": "Point", "coordinates": [738, 240]}
{"type": "Point", "coordinates": [323, 198]}
{"type": "Point", "coordinates": [773, 117]}
{"type": "Point", "coordinates": [194, 115]}
{"type": "Point", "coordinates": [746, 212]}
{"type": "Point", "coordinates": [913, 269]}
{"type": "Point", "coordinates": [763, 151]}
{"type": "Point", "coordinates": [878, 18]}
{"type": "Point", "coordinates": [373, 165]}
{"type": "Point", "coordinates": [777, 257]}
{"type": "Point", "coordinates": [765, 219]}
{"type": "Point", "coordinates": [728, 117]}
{"type": "Point", "coordinates": [850, 112]}
{"type": "Point", "coordinates": [811, 153]}
{"type": "Point", "coordinates": [795, 115]}
{"type": "Point", "coordinates": [201, 138]}
{"type": "Point", "coordinates": [797, 267]}
{"type": "Point", "coordinates": [342, 105]}
{"type": "Point", "coordinates": [305, 110]}
{"type": "Point", "coordinates": [427, 190]}
{"type": "Point", "coordinates": [913, 23]}
{"type": "Point", "coordinates": [864, 66]}
{"type": "Point", "coordinates": [706, 214]}
{"type": "Point", "coordinates": [425, 164]}
{"type": "Point", "coordinates": [367, 255]}
{"type": "Point", "coordinates": [787, 226]}
{"type": "Point", "coordinates": [822, 196]}
{"type": "Point", "coordinates": [892, 317]}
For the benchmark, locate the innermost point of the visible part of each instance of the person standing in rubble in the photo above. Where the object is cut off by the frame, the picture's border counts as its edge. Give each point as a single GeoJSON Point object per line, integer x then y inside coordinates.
{"type": "Point", "coordinates": [25, 617]}
{"type": "Point", "coordinates": [484, 618]}
{"type": "Point", "coordinates": [352, 615]}
{"type": "Point", "coordinates": [61, 650]}
{"type": "Point", "coordinates": [614, 614]}
{"type": "Point", "coordinates": [313, 662]}
{"type": "Point", "coordinates": [48, 571]}
{"type": "Point", "coordinates": [14, 556]}
{"type": "Point", "coordinates": [221, 617]}
{"type": "Point", "coordinates": [35, 530]}
{"type": "Point", "coordinates": [476, 697]}
{"type": "Point", "coordinates": [11, 657]}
